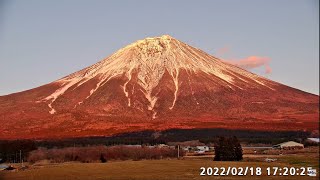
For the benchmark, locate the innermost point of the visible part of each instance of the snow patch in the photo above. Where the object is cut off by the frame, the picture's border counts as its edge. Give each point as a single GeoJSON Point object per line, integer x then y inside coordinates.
{"type": "Point", "coordinates": [176, 84]}
{"type": "Point", "coordinates": [129, 75]}
{"type": "Point", "coordinates": [59, 92]}
{"type": "Point", "coordinates": [191, 89]}
{"type": "Point", "coordinates": [102, 82]}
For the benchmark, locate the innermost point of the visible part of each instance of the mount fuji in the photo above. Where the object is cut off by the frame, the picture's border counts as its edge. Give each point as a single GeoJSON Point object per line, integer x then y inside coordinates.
{"type": "Point", "coordinates": [156, 84]}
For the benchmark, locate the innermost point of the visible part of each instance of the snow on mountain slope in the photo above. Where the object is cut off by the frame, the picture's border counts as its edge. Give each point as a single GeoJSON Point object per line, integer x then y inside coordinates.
{"type": "Point", "coordinates": [156, 83]}
{"type": "Point", "coordinates": [152, 57]}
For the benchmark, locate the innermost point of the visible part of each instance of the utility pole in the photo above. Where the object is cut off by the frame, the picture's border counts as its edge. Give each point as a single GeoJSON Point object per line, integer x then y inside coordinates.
{"type": "Point", "coordinates": [178, 151]}
{"type": "Point", "coordinates": [21, 160]}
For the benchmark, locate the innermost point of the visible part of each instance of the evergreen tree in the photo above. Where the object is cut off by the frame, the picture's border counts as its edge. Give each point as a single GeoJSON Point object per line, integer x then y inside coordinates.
{"type": "Point", "coordinates": [228, 149]}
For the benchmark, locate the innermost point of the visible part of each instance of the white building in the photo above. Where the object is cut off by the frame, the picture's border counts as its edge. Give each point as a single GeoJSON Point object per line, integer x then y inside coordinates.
{"type": "Point", "coordinates": [315, 140]}
{"type": "Point", "coordinates": [202, 148]}
{"type": "Point", "coordinates": [289, 145]}
{"type": "Point", "coordinates": [162, 146]}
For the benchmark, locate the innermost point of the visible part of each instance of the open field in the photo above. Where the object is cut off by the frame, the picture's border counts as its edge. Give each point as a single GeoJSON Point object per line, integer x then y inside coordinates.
{"type": "Point", "coordinates": [185, 168]}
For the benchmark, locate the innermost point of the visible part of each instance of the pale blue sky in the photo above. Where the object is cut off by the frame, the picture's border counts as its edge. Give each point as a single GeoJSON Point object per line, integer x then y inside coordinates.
{"type": "Point", "coordinates": [44, 40]}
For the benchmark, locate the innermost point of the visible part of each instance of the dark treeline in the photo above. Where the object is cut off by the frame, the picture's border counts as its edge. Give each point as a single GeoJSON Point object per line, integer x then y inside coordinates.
{"type": "Point", "coordinates": [10, 151]}
{"type": "Point", "coordinates": [178, 135]}
{"type": "Point", "coordinates": [206, 135]}
{"type": "Point", "coordinates": [144, 137]}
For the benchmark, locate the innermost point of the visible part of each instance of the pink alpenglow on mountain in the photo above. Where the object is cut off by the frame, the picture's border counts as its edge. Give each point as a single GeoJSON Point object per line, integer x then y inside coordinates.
{"type": "Point", "coordinates": [156, 84]}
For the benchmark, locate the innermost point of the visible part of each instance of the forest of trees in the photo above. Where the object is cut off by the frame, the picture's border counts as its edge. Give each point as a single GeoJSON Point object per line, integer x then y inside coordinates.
{"type": "Point", "coordinates": [10, 150]}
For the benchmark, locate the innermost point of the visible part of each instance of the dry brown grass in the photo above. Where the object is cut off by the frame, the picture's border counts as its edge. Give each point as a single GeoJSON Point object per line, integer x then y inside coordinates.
{"type": "Point", "coordinates": [187, 168]}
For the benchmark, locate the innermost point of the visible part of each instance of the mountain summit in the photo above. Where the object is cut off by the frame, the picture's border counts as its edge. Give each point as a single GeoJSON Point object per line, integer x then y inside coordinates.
{"type": "Point", "coordinates": [150, 60]}
{"type": "Point", "coordinates": [156, 83]}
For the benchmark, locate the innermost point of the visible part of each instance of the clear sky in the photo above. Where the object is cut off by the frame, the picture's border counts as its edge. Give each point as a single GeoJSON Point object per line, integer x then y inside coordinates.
{"type": "Point", "coordinates": [44, 40]}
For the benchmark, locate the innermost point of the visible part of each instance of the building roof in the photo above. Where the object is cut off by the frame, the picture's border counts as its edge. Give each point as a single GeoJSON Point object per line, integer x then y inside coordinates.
{"type": "Point", "coordinates": [314, 139]}
{"type": "Point", "coordinates": [289, 143]}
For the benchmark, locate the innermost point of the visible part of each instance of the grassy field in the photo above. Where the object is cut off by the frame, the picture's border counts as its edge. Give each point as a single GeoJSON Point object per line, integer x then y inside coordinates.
{"type": "Point", "coordinates": [186, 168]}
